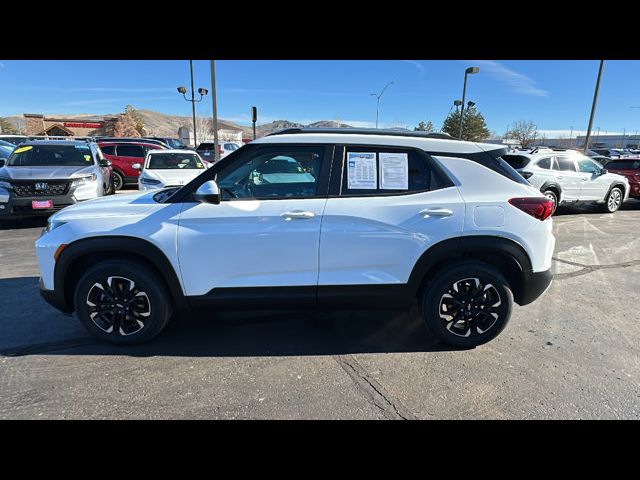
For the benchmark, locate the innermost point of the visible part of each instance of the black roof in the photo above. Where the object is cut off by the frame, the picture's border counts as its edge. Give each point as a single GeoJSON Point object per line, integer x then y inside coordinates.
{"type": "Point", "coordinates": [364, 131]}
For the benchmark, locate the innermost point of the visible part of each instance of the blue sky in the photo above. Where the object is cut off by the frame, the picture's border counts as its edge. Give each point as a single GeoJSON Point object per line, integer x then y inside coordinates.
{"type": "Point", "coordinates": [555, 95]}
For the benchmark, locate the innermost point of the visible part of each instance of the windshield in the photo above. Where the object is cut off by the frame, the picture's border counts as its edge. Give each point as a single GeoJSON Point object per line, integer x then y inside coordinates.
{"type": "Point", "coordinates": [176, 143]}
{"type": "Point", "coordinates": [179, 161]}
{"type": "Point", "coordinates": [51, 155]}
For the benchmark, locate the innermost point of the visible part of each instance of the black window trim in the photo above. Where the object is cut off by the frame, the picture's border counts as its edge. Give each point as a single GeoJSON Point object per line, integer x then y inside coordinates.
{"type": "Point", "coordinates": [185, 194]}
{"type": "Point", "coordinates": [340, 156]}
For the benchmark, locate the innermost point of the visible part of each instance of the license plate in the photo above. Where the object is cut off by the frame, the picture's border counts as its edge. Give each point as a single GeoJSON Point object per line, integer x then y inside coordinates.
{"type": "Point", "coordinates": [41, 204]}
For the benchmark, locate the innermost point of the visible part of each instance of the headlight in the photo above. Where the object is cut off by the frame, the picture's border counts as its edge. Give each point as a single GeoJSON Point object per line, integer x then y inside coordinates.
{"type": "Point", "coordinates": [53, 224]}
{"type": "Point", "coordinates": [150, 181]}
{"type": "Point", "coordinates": [84, 180]}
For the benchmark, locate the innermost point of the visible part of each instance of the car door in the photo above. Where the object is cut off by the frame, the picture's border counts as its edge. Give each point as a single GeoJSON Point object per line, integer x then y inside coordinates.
{"type": "Point", "coordinates": [265, 232]}
{"type": "Point", "coordinates": [568, 177]}
{"type": "Point", "coordinates": [595, 186]}
{"type": "Point", "coordinates": [373, 231]}
{"type": "Point", "coordinates": [127, 155]}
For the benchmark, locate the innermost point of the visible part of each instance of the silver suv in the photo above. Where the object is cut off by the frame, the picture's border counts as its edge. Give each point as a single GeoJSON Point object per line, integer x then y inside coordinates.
{"type": "Point", "coordinates": [43, 176]}
{"type": "Point", "coordinates": [565, 176]}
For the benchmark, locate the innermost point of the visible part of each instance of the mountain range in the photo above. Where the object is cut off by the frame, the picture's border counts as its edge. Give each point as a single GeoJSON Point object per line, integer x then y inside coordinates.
{"type": "Point", "coordinates": [163, 125]}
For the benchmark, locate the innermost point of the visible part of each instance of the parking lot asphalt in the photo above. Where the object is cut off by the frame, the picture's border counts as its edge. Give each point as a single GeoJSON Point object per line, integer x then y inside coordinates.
{"type": "Point", "coordinates": [574, 353]}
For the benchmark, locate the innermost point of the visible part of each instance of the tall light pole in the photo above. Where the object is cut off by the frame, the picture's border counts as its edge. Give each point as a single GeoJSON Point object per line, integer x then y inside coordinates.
{"type": "Point", "coordinates": [468, 71]}
{"type": "Point", "coordinates": [378, 96]}
{"type": "Point", "coordinates": [571, 137]}
{"type": "Point", "coordinates": [624, 132]}
{"type": "Point", "coordinates": [201, 91]}
{"type": "Point", "coordinates": [597, 134]}
{"type": "Point", "coordinates": [593, 108]}
{"type": "Point", "coordinates": [216, 155]}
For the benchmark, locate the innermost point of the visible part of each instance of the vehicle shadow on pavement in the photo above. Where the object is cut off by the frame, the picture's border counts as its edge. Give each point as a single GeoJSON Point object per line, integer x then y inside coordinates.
{"type": "Point", "coordinates": [33, 222]}
{"type": "Point", "coordinates": [629, 205]}
{"type": "Point", "coordinates": [44, 331]}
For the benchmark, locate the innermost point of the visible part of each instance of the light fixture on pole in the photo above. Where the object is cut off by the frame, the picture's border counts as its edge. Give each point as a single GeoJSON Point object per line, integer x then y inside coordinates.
{"type": "Point", "coordinates": [201, 91]}
{"type": "Point", "coordinates": [378, 97]}
{"type": "Point", "coordinates": [468, 71]}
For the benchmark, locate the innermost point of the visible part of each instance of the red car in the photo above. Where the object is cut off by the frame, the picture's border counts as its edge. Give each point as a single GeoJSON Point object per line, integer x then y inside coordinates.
{"type": "Point", "coordinates": [630, 168]}
{"type": "Point", "coordinates": [123, 155]}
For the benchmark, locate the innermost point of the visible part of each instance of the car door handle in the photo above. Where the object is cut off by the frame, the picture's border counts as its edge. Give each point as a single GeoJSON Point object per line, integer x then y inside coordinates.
{"type": "Point", "coordinates": [559, 177]}
{"type": "Point", "coordinates": [297, 214]}
{"type": "Point", "coordinates": [436, 212]}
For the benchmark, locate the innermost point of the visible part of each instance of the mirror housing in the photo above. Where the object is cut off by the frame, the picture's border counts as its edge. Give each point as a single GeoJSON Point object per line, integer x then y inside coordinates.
{"type": "Point", "coordinates": [208, 192]}
{"type": "Point", "coordinates": [2, 160]}
{"type": "Point", "coordinates": [604, 171]}
{"type": "Point", "coordinates": [136, 166]}
{"type": "Point", "coordinates": [105, 163]}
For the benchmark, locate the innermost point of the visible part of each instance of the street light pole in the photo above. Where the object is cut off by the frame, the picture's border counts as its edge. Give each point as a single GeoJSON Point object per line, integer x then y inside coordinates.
{"type": "Point", "coordinates": [214, 104]}
{"type": "Point", "coordinates": [593, 108]}
{"type": "Point", "coordinates": [378, 97]}
{"type": "Point", "coordinates": [468, 71]}
{"type": "Point", "coordinates": [571, 137]}
{"type": "Point", "coordinates": [201, 91]}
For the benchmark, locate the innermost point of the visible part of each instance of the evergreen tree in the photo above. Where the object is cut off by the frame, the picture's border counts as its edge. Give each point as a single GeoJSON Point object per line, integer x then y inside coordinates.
{"type": "Point", "coordinates": [424, 127]}
{"type": "Point", "coordinates": [474, 128]}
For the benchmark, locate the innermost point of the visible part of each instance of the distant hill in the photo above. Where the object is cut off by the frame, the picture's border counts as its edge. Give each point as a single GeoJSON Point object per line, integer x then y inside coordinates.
{"type": "Point", "coordinates": [163, 125]}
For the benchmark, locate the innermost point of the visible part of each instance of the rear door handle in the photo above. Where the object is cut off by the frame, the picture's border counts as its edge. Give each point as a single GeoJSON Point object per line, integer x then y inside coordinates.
{"type": "Point", "coordinates": [436, 212]}
{"type": "Point", "coordinates": [297, 214]}
{"type": "Point", "coordinates": [559, 177]}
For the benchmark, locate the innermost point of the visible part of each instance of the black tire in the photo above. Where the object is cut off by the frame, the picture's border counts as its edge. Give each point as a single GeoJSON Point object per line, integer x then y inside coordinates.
{"type": "Point", "coordinates": [614, 200]}
{"type": "Point", "coordinates": [118, 181]}
{"type": "Point", "coordinates": [111, 189]}
{"type": "Point", "coordinates": [553, 196]}
{"type": "Point", "coordinates": [152, 309]}
{"type": "Point", "coordinates": [474, 322]}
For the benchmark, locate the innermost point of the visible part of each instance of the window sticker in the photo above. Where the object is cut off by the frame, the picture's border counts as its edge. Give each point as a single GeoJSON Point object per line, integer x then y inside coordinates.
{"type": "Point", "coordinates": [22, 149]}
{"type": "Point", "coordinates": [394, 171]}
{"type": "Point", "coordinates": [87, 158]}
{"type": "Point", "coordinates": [362, 171]}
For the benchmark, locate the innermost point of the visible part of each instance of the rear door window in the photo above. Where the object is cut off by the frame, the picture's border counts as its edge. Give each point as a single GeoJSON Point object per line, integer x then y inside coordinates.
{"type": "Point", "coordinates": [108, 149]}
{"type": "Point", "coordinates": [544, 163]}
{"type": "Point", "coordinates": [130, 151]}
{"type": "Point", "coordinates": [566, 164]}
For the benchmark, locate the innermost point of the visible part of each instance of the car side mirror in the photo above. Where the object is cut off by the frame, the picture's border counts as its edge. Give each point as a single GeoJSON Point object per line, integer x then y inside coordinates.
{"type": "Point", "coordinates": [208, 192]}
{"type": "Point", "coordinates": [604, 171]}
{"type": "Point", "coordinates": [105, 163]}
{"type": "Point", "coordinates": [136, 166]}
{"type": "Point", "coordinates": [1, 162]}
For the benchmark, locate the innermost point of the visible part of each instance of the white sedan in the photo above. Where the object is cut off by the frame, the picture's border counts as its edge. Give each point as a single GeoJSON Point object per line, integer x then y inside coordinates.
{"type": "Point", "coordinates": [169, 168]}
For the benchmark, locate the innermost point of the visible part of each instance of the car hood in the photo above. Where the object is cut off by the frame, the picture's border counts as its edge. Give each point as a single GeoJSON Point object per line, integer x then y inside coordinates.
{"type": "Point", "coordinates": [44, 173]}
{"type": "Point", "coordinates": [173, 177]}
{"type": "Point", "coordinates": [121, 205]}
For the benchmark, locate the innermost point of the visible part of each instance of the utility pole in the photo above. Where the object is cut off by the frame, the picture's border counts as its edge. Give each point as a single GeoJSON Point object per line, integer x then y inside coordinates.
{"type": "Point", "coordinates": [593, 107]}
{"type": "Point", "coordinates": [571, 137]}
{"type": "Point", "coordinates": [215, 110]}
{"type": "Point", "coordinates": [378, 97]}
{"type": "Point", "coordinates": [468, 71]}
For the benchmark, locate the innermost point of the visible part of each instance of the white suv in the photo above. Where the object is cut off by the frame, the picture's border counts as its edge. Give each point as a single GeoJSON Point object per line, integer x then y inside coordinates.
{"type": "Point", "coordinates": [310, 219]}
{"type": "Point", "coordinates": [565, 176]}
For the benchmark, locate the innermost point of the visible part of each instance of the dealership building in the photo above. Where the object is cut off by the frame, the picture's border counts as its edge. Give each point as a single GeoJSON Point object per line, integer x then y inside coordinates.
{"type": "Point", "coordinates": [39, 125]}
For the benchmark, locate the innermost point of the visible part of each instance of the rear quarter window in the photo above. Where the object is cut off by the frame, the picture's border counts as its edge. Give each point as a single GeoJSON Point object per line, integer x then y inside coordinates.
{"type": "Point", "coordinates": [517, 161]}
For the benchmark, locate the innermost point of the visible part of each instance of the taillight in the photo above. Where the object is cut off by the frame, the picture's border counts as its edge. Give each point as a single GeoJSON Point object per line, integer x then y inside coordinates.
{"type": "Point", "coordinates": [526, 175]}
{"type": "Point", "coordinates": [538, 207]}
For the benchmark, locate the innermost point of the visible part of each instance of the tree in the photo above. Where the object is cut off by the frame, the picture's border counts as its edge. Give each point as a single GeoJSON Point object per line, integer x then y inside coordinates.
{"type": "Point", "coordinates": [474, 128]}
{"type": "Point", "coordinates": [424, 127]}
{"type": "Point", "coordinates": [525, 131]}
{"type": "Point", "coordinates": [7, 127]}
{"type": "Point", "coordinates": [136, 118]}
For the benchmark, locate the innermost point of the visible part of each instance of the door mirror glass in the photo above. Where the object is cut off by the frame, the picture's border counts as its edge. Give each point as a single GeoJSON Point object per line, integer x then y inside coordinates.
{"type": "Point", "coordinates": [1, 162]}
{"type": "Point", "coordinates": [105, 163]}
{"type": "Point", "coordinates": [136, 166]}
{"type": "Point", "coordinates": [208, 192]}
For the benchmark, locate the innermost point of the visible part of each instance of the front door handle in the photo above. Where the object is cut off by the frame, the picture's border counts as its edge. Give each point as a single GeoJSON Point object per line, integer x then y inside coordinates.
{"type": "Point", "coordinates": [297, 214]}
{"type": "Point", "coordinates": [436, 212]}
{"type": "Point", "coordinates": [559, 177]}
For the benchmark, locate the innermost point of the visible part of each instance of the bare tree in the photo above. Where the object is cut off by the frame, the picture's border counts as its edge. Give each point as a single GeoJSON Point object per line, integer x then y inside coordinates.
{"type": "Point", "coordinates": [524, 131]}
{"type": "Point", "coordinates": [204, 129]}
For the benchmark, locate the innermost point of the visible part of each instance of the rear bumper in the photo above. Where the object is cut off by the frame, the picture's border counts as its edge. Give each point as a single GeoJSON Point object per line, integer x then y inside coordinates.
{"type": "Point", "coordinates": [54, 298]}
{"type": "Point", "coordinates": [534, 284]}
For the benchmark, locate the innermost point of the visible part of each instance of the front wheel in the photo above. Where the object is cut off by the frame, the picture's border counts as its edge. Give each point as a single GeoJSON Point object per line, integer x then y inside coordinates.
{"type": "Point", "coordinates": [118, 181]}
{"type": "Point", "coordinates": [613, 200]}
{"type": "Point", "coordinates": [122, 302]}
{"type": "Point", "coordinates": [551, 195]}
{"type": "Point", "coordinates": [467, 305]}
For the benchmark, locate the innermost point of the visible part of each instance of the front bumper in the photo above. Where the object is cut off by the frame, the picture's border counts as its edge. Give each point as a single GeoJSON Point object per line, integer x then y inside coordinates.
{"type": "Point", "coordinates": [534, 284]}
{"type": "Point", "coordinates": [12, 205]}
{"type": "Point", "coordinates": [54, 298]}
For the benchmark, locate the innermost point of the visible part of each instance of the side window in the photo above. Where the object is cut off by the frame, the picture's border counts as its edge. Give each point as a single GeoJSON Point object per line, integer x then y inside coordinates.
{"type": "Point", "coordinates": [566, 164]}
{"type": "Point", "coordinates": [544, 163]}
{"type": "Point", "coordinates": [273, 173]}
{"type": "Point", "coordinates": [108, 149]}
{"type": "Point", "coordinates": [130, 151]}
{"type": "Point", "coordinates": [383, 171]}
{"type": "Point", "coordinates": [587, 166]}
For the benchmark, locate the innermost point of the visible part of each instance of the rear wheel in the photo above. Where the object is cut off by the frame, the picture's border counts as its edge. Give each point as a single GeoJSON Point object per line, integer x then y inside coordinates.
{"type": "Point", "coordinates": [122, 302]}
{"type": "Point", "coordinates": [118, 181]}
{"type": "Point", "coordinates": [613, 200]}
{"type": "Point", "coordinates": [467, 305]}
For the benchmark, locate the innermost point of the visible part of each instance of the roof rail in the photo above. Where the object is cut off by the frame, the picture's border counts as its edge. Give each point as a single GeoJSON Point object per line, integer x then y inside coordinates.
{"type": "Point", "coordinates": [364, 131]}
